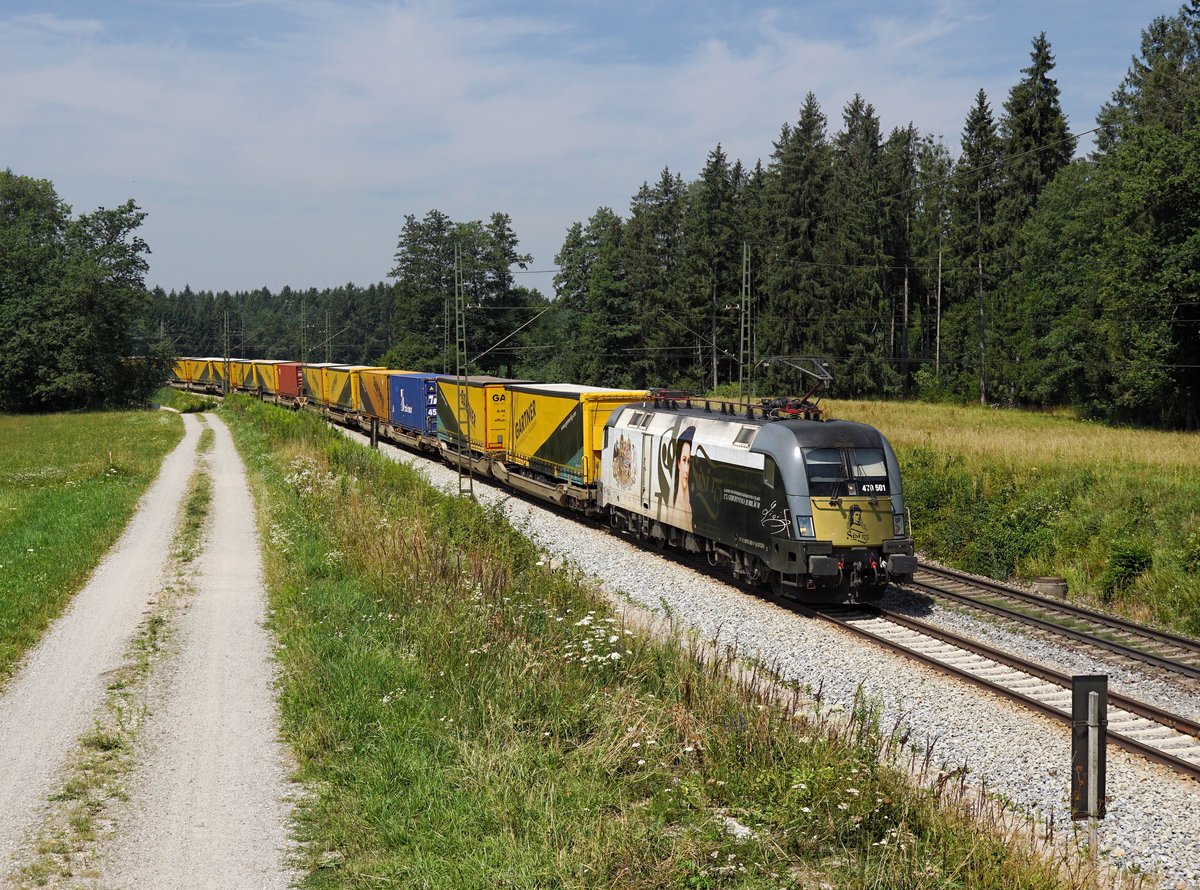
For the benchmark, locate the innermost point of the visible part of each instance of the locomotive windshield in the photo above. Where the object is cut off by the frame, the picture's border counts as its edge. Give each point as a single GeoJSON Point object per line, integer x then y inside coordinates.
{"type": "Point", "coordinates": [846, 472]}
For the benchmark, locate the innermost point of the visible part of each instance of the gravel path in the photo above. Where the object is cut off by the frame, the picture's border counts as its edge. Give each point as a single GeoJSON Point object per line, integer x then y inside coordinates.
{"type": "Point", "coordinates": [209, 798]}
{"type": "Point", "coordinates": [52, 699]}
{"type": "Point", "coordinates": [1152, 819]}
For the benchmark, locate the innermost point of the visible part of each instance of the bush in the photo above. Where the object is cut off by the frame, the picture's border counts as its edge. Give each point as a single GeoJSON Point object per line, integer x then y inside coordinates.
{"type": "Point", "coordinates": [1127, 562]}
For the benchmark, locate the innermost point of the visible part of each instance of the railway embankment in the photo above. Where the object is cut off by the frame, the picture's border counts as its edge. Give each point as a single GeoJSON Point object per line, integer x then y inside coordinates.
{"type": "Point", "coordinates": [469, 710]}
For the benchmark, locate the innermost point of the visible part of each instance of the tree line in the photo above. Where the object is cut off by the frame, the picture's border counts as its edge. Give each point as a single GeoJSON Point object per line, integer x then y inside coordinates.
{"type": "Point", "coordinates": [73, 303]}
{"type": "Point", "coordinates": [1011, 274]}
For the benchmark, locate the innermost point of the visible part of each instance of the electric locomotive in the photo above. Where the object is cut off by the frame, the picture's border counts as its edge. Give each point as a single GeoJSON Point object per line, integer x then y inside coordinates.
{"type": "Point", "coordinates": [813, 507]}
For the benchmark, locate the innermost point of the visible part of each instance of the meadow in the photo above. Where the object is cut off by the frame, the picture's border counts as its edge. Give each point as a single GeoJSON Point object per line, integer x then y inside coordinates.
{"type": "Point", "coordinates": [468, 715]}
{"type": "Point", "coordinates": [1019, 494]}
{"type": "Point", "coordinates": [68, 485]}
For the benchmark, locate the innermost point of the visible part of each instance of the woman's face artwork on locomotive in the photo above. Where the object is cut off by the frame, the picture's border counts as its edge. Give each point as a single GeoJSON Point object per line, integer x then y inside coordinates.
{"type": "Point", "coordinates": [681, 494]}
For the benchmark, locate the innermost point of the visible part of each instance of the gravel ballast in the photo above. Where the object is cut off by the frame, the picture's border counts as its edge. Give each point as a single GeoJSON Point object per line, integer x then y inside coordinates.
{"type": "Point", "coordinates": [1152, 822]}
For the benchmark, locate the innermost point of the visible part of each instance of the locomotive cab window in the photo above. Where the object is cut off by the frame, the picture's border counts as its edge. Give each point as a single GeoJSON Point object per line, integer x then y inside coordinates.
{"type": "Point", "coordinates": [636, 419]}
{"type": "Point", "coordinates": [837, 472]}
{"type": "Point", "coordinates": [826, 472]}
{"type": "Point", "coordinates": [869, 470]}
{"type": "Point", "coordinates": [745, 435]}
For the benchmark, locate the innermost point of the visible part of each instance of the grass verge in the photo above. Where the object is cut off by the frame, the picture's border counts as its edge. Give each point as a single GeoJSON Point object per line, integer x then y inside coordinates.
{"type": "Point", "coordinates": [468, 716]}
{"type": "Point", "coordinates": [183, 401]}
{"type": "Point", "coordinates": [76, 822]}
{"type": "Point", "coordinates": [68, 485]}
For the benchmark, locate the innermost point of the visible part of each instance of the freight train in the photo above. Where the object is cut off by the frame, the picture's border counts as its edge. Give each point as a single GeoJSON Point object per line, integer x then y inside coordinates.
{"type": "Point", "coordinates": [813, 507]}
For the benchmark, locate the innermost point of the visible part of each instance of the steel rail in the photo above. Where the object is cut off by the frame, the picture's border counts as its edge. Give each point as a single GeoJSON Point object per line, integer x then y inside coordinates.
{"type": "Point", "coordinates": [1112, 621]}
{"type": "Point", "coordinates": [1171, 721]}
{"type": "Point", "coordinates": [1173, 665]}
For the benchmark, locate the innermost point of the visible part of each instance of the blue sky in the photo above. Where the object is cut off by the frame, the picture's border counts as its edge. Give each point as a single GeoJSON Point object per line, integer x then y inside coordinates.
{"type": "Point", "coordinates": [281, 142]}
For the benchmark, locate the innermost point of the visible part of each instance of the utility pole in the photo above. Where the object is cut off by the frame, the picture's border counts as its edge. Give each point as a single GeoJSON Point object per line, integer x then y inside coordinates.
{"type": "Point", "coordinates": [225, 382]}
{"type": "Point", "coordinates": [714, 329]}
{"type": "Point", "coordinates": [745, 348]}
{"type": "Point", "coordinates": [466, 475]}
{"type": "Point", "coordinates": [982, 314]}
{"type": "Point", "coordinates": [303, 338]}
{"type": "Point", "coordinates": [328, 337]}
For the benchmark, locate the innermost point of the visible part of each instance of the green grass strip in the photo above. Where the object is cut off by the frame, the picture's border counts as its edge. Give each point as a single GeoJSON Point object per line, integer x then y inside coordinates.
{"type": "Point", "coordinates": [68, 485]}
{"type": "Point", "coordinates": [467, 716]}
{"type": "Point", "coordinates": [183, 401]}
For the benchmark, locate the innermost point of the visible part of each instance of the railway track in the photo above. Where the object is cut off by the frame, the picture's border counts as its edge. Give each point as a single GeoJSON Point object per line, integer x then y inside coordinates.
{"type": "Point", "coordinates": [1138, 727]}
{"type": "Point", "coordinates": [1166, 651]}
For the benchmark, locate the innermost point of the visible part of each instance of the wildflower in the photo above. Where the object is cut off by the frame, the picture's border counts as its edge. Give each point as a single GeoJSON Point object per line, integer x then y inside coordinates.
{"type": "Point", "coordinates": [636, 745]}
{"type": "Point", "coordinates": [641, 763]}
{"type": "Point", "coordinates": [800, 785]}
{"type": "Point", "coordinates": [806, 809]}
{"type": "Point", "coordinates": [843, 806]}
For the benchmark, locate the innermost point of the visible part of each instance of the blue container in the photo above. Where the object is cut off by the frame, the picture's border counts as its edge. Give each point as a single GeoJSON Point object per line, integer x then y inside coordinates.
{"type": "Point", "coordinates": [412, 403]}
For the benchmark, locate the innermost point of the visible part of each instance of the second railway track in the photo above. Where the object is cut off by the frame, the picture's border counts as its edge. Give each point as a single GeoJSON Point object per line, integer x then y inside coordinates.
{"type": "Point", "coordinates": [1169, 652]}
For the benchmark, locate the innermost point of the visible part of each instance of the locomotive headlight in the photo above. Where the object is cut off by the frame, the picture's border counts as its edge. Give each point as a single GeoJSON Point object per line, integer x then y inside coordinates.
{"type": "Point", "coordinates": [897, 525]}
{"type": "Point", "coordinates": [804, 527]}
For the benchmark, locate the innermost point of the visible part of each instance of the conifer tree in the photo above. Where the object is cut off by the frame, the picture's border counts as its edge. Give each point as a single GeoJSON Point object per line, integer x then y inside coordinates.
{"type": "Point", "coordinates": [1035, 144]}
{"type": "Point", "coordinates": [972, 240]}
{"type": "Point", "coordinates": [850, 249]}
{"type": "Point", "coordinates": [652, 244]}
{"type": "Point", "coordinates": [795, 205]}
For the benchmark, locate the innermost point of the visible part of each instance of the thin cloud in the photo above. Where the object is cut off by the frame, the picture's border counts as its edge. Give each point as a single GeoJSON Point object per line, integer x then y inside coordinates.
{"type": "Point", "coordinates": [289, 151]}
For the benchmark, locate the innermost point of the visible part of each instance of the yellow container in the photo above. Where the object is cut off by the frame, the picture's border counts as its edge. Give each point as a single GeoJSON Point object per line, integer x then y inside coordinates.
{"type": "Point", "coordinates": [557, 429]}
{"type": "Point", "coordinates": [374, 392]}
{"type": "Point", "coordinates": [241, 373]}
{"type": "Point", "coordinates": [313, 380]}
{"type": "Point", "coordinates": [486, 400]}
{"type": "Point", "coordinates": [265, 376]}
{"type": "Point", "coordinates": [341, 385]}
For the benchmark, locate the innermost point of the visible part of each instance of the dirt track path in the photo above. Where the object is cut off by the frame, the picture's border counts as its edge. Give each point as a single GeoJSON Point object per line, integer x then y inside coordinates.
{"type": "Point", "coordinates": [52, 699]}
{"type": "Point", "coordinates": [207, 796]}
{"type": "Point", "coordinates": [208, 799]}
